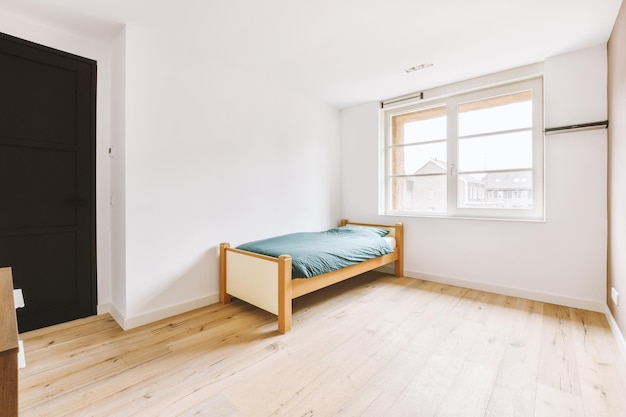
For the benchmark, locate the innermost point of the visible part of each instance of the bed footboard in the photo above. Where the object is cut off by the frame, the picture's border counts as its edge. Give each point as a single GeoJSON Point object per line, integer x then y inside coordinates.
{"type": "Point", "coordinates": [260, 280]}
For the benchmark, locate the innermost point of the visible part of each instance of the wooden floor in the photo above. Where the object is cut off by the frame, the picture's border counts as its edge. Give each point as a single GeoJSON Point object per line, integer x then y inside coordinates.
{"type": "Point", "coordinates": [372, 346]}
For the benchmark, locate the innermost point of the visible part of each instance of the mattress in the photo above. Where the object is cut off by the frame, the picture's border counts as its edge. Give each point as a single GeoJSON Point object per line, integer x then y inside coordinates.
{"type": "Point", "coordinates": [316, 253]}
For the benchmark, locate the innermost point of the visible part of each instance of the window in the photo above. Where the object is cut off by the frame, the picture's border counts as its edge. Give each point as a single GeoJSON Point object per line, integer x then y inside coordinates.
{"type": "Point", "coordinates": [477, 154]}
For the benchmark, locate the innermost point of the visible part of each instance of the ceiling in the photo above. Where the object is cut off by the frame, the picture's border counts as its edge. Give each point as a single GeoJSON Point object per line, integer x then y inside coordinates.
{"type": "Point", "coordinates": [346, 52]}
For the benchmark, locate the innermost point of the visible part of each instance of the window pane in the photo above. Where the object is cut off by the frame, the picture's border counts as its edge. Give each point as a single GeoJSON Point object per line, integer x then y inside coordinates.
{"type": "Point", "coordinates": [500, 190]}
{"type": "Point", "coordinates": [495, 114]}
{"type": "Point", "coordinates": [420, 126]}
{"type": "Point", "coordinates": [426, 194]}
{"type": "Point", "coordinates": [507, 151]}
{"type": "Point", "coordinates": [429, 158]}
{"type": "Point", "coordinates": [488, 164]}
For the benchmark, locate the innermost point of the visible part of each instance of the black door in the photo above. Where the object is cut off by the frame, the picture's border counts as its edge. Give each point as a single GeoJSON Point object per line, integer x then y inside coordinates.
{"type": "Point", "coordinates": [47, 180]}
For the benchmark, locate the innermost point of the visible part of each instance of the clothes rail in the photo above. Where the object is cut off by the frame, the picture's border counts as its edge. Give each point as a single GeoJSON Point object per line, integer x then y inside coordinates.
{"type": "Point", "coordinates": [574, 128]}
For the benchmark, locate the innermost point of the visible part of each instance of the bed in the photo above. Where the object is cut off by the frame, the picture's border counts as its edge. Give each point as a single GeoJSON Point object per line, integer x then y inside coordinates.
{"type": "Point", "coordinates": [268, 282]}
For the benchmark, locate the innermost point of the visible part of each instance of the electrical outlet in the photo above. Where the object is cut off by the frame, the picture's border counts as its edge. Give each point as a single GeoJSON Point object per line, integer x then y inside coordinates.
{"type": "Point", "coordinates": [615, 296]}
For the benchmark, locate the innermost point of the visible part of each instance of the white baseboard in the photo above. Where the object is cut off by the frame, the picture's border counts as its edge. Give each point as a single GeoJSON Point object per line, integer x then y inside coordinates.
{"type": "Point", "coordinates": [617, 333]}
{"type": "Point", "coordinates": [103, 308]}
{"type": "Point", "coordinates": [592, 305]}
{"type": "Point", "coordinates": [117, 315]}
{"type": "Point", "coordinates": [128, 323]}
{"type": "Point", "coordinates": [109, 308]}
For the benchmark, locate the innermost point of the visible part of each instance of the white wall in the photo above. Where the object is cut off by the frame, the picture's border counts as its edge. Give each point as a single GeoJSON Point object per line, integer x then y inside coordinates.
{"type": "Point", "coordinates": [117, 199]}
{"type": "Point", "coordinates": [561, 260]}
{"type": "Point", "coordinates": [99, 50]}
{"type": "Point", "coordinates": [212, 154]}
{"type": "Point", "coordinates": [203, 152]}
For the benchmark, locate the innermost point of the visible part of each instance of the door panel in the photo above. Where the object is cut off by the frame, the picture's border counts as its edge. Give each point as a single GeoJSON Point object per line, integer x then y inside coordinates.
{"type": "Point", "coordinates": [51, 292]}
{"type": "Point", "coordinates": [47, 180]}
{"type": "Point", "coordinates": [45, 108]}
{"type": "Point", "coordinates": [42, 186]}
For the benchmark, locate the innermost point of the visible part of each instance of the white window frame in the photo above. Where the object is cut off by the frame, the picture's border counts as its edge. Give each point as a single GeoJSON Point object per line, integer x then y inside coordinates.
{"type": "Point", "coordinates": [403, 106]}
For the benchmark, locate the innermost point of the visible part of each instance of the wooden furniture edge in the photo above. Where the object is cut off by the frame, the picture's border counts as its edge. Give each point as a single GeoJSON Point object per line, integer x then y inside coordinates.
{"type": "Point", "coordinates": [399, 236]}
{"type": "Point", "coordinates": [8, 320]}
{"type": "Point", "coordinates": [303, 286]}
{"type": "Point", "coordinates": [9, 345]}
{"type": "Point", "coordinates": [224, 296]}
{"type": "Point", "coordinates": [285, 293]}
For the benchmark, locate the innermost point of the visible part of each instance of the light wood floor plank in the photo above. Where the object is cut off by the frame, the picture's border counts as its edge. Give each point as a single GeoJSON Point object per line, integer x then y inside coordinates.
{"type": "Point", "coordinates": [594, 353]}
{"type": "Point", "coordinates": [371, 346]}
{"type": "Point", "coordinates": [558, 368]}
{"type": "Point", "coordinates": [514, 389]}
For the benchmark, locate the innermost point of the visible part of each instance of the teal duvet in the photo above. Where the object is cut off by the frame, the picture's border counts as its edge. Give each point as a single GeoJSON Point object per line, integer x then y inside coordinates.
{"type": "Point", "coordinates": [316, 253]}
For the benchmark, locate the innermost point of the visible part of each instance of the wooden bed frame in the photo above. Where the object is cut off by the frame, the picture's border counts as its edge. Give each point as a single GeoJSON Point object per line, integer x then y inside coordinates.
{"type": "Point", "coordinates": [266, 282]}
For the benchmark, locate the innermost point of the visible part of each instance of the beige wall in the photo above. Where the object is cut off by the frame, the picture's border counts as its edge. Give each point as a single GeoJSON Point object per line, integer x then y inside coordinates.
{"type": "Point", "coordinates": [617, 168]}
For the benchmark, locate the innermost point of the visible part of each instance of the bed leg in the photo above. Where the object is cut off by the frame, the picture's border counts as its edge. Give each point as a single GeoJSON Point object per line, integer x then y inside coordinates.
{"type": "Point", "coordinates": [285, 294]}
{"type": "Point", "coordinates": [400, 248]}
{"type": "Point", "coordinates": [224, 296]}
{"type": "Point", "coordinates": [399, 267]}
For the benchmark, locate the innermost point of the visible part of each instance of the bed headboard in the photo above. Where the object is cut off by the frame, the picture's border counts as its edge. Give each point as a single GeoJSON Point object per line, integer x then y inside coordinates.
{"type": "Point", "coordinates": [395, 230]}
